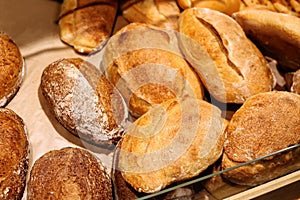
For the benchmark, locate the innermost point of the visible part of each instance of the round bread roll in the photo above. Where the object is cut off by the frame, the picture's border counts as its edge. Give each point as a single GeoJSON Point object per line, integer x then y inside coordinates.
{"type": "Point", "coordinates": [69, 173]}
{"type": "Point", "coordinates": [170, 143]}
{"type": "Point", "coordinates": [14, 155]}
{"type": "Point", "coordinates": [265, 123]}
{"type": "Point", "coordinates": [84, 101]}
{"type": "Point", "coordinates": [277, 35]}
{"type": "Point", "coordinates": [145, 64]}
{"type": "Point", "coordinates": [11, 69]}
{"type": "Point", "coordinates": [293, 81]}
{"type": "Point", "coordinates": [227, 62]}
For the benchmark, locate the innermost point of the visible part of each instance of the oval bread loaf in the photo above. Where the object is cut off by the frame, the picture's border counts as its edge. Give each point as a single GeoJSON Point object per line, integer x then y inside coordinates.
{"type": "Point", "coordinates": [14, 155]}
{"type": "Point", "coordinates": [229, 65]}
{"type": "Point", "coordinates": [69, 173]}
{"type": "Point", "coordinates": [170, 143]}
{"type": "Point", "coordinates": [145, 64]}
{"type": "Point", "coordinates": [265, 123]}
{"type": "Point", "coordinates": [84, 101]}
{"type": "Point", "coordinates": [11, 69]}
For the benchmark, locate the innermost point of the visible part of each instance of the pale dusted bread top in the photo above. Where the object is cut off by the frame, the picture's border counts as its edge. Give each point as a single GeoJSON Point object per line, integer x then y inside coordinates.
{"type": "Point", "coordinates": [228, 63]}
{"type": "Point", "coordinates": [265, 123]}
{"type": "Point", "coordinates": [84, 101]}
{"type": "Point", "coordinates": [14, 155]}
{"type": "Point", "coordinates": [69, 173]}
{"type": "Point", "coordinates": [171, 143]}
{"type": "Point", "coordinates": [11, 69]}
{"type": "Point", "coordinates": [149, 72]}
{"type": "Point", "coordinates": [276, 34]}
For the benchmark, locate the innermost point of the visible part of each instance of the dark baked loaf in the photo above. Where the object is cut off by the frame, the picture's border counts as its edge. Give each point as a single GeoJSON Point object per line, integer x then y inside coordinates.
{"type": "Point", "coordinates": [265, 123]}
{"type": "Point", "coordinates": [14, 155]}
{"type": "Point", "coordinates": [69, 173]}
{"type": "Point", "coordinates": [84, 101]}
{"type": "Point", "coordinates": [11, 69]}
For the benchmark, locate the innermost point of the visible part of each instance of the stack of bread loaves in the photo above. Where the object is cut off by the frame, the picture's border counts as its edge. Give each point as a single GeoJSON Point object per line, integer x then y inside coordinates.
{"type": "Point", "coordinates": [158, 99]}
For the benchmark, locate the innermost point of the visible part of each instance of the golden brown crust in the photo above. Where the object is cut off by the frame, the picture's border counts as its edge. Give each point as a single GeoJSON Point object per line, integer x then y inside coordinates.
{"type": "Point", "coordinates": [11, 69]}
{"type": "Point", "coordinates": [225, 6]}
{"type": "Point", "coordinates": [159, 13]}
{"type": "Point", "coordinates": [171, 143]}
{"type": "Point", "coordinates": [293, 81]}
{"type": "Point", "coordinates": [88, 28]}
{"type": "Point", "coordinates": [84, 101]}
{"type": "Point", "coordinates": [14, 155]}
{"type": "Point", "coordinates": [149, 75]}
{"type": "Point", "coordinates": [276, 34]}
{"type": "Point", "coordinates": [228, 64]}
{"type": "Point", "coordinates": [69, 173]}
{"type": "Point", "coordinates": [264, 124]}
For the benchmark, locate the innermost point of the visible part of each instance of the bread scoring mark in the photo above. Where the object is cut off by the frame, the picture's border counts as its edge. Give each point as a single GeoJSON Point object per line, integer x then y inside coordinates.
{"type": "Point", "coordinates": [222, 44]}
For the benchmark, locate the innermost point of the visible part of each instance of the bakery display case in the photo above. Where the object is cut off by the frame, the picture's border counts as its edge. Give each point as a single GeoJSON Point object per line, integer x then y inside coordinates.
{"type": "Point", "coordinates": [34, 27]}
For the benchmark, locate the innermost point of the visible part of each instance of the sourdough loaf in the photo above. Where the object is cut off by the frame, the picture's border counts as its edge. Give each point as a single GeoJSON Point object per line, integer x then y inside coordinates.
{"type": "Point", "coordinates": [11, 69]}
{"type": "Point", "coordinates": [69, 173]}
{"type": "Point", "coordinates": [14, 155]}
{"type": "Point", "coordinates": [265, 123]}
{"type": "Point", "coordinates": [145, 64]}
{"type": "Point", "coordinates": [87, 24]}
{"type": "Point", "coordinates": [170, 143]}
{"type": "Point", "coordinates": [277, 35]}
{"type": "Point", "coordinates": [227, 62]}
{"type": "Point", "coordinates": [84, 101]}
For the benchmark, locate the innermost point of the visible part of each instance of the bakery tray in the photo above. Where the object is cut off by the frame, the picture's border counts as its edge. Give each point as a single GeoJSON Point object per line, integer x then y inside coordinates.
{"type": "Point", "coordinates": [32, 25]}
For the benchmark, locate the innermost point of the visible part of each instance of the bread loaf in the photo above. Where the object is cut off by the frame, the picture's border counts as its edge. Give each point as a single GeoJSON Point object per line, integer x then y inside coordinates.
{"type": "Point", "coordinates": [276, 34]}
{"type": "Point", "coordinates": [145, 64]}
{"type": "Point", "coordinates": [265, 123]}
{"type": "Point", "coordinates": [159, 13]}
{"type": "Point", "coordinates": [170, 143]}
{"type": "Point", "coordinates": [69, 173]}
{"type": "Point", "coordinates": [14, 155]}
{"type": "Point", "coordinates": [84, 101]}
{"type": "Point", "coordinates": [87, 24]}
{"type": "Point", "coordinates": [225, 6]}
{"type": "Point", "coordinates": [11, 69]}
{"type": "Point", "coordinates": [229, 65]}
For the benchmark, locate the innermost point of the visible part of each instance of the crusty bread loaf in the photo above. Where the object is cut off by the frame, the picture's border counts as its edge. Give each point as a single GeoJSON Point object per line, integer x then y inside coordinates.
{"type": "Point", "coordinates": [148, 71]}
{"type": "Point", "coordinates": [227, 62]}
{"type": "Point", "coordinates": [69, 173]}
{"type": "Point", "coordinates": [265, 123]}
{"type": "Point", "coordinates": [11, 69]}
{"type": "Point", "coordinates": [171, 143]}
{"type": "Point", "coordinates": [84, 101]}
{"type": "Point", "coordinates": [276, 34]}
{"type": "Point", "coordinates": [225, 6]}
{"type": "Point", "coordinates": [14, 155]}
{"type": "Point", "coordinates": [159, 13]}
{"type": "Point", "coordinates": [87, 24]}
